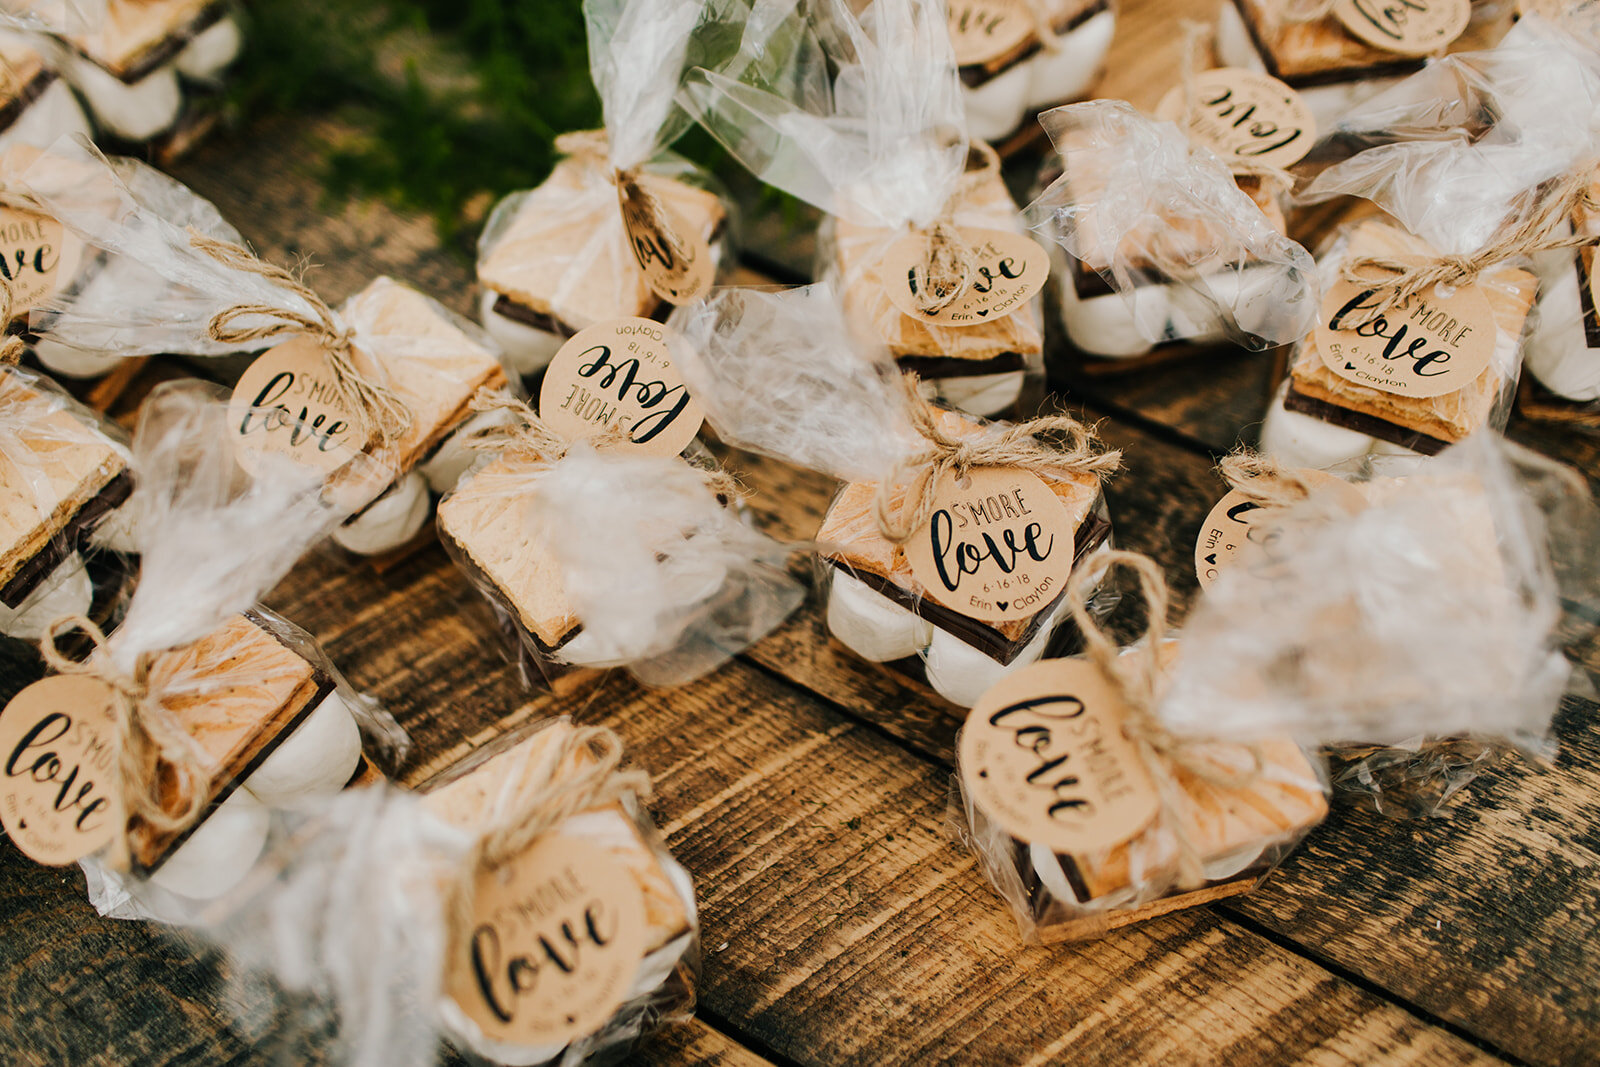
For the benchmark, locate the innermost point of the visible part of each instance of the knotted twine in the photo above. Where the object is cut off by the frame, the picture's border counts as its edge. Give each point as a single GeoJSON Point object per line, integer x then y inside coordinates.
{"type": "Point", "coordinates": [1263, 481]}
{"type": "Point", "coordinates": [147, 736]}
{"type": "Point", "coordinates": [527, 433]}
{"type": "Point", "coordinates": [943, 273]}
{"type": "Point", "coordinates": [1530, 230]}
{"type": "Point", "coordinates": [1139, 676]}
{"type": "Point", "coordinates": [1014, 446]}
{"type": "Point", "coordinates": [550, 797]}
{"type": "Point", "coordinates": [377, 409]}
{"type": "Point", "coordinates": [11, 345]}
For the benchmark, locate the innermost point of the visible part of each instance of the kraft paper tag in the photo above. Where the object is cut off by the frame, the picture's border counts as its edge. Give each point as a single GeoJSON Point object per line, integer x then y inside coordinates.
{"type": "Point", "coordinates": [1245, 117]}
{"type": "Point", "coordinates": [998, 548]}
{"type": "Point", "coordinates": [1430, 344]}
{"type": "Point", "coordinates": [285, 402]}
{"type": "Point", "coordinates": [1043, 754]}
{"type": "Point", "coordinates": [58, 741]}
{"type": "Point", "coordinates": [981, 30]}
{"type": "Point", "coordinates": [1008, 270]}
{"type": "Point", "coordinates": [620, 373]}
{"type": "Point", "coordinates": [675, 259]}
{"type": "Point", "coordinates": [1409, 27]}
{"type": "Point", "coordinates": [1236, 521]}
{"type": "Point", "coordinates": [556, 940]}
{"type": "Point", "coordinates": [30, 257]}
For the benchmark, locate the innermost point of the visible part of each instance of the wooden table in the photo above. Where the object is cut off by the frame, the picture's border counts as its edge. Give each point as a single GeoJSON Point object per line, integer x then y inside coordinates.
{"type": "Point", "coordinates": [807, 792]}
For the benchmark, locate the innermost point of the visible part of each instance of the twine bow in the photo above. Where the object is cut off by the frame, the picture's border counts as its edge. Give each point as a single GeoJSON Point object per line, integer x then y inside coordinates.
{"type": "Point", "coordinates": [11, 345]}
{"type": "Point", "coordinates": [549, 799]}
{"type": "Point", "coordinates": [1014, 446]}
{"type": "Point", "coordinates": [1395, 280]}
{"type": "Point", "coordinates": [1263, 481]}
{"type": "Point", "coordinates": [1140, 677]}
{"type": "Point", "coordinates": [527, 432]}
{"type": "Point", "coordinates": [148, 741]}
{"type": "Point", "coordinates": [376, 407]}
{"type": "Point", "coordinates": [943, 273]}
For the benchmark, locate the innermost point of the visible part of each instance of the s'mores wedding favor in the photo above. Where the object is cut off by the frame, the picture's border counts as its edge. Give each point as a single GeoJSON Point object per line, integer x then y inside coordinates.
{"type": "Point", "coordinates": [1420, 335]}
{"type": "Point", "coordinates": [200, 709]}
{"type": "Point", "coordinates": [948, 549]}
{"type": "Point", "coordinates": [621, 228]}
{"type": "Point", "coordinates": [1156, 241]}
{"type": "Point", "coordinates": [924, 244]}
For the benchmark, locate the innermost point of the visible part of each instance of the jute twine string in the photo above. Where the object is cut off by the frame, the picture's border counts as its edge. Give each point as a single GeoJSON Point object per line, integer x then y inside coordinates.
{"type": "Point", "coordinates": [147, 737]}
{"type": "Point", "coordinates": [1395, 280]}
{"type": "Point", "coordinates": [1263, 481]}
{"type": "Point", "coordinates": [545, 804]}
{"type": "Point", "coordinates": [11, 345]}
{"type": "Point", "coordinates": [1078, 451]}
{"type": "Point", "coordinates": [1195, 36]}
{"type": "Point", "coordinates": [527, 432]}
{"type": "Point", "coordinates": [944, 271]}
{"type": "Point", "coordinates": [1140, 678]}
{"type": "Point", "coordinates": [376, 407]}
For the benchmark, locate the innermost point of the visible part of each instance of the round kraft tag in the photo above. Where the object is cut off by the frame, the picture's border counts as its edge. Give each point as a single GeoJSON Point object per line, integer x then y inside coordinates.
{"type": "Point", "coordinates": [58, 741]}
{"type": "Point", "coordinates": [620, 373]}
{"type": "Point", "coordinates": [1430, 344]}
{"type": "Point", "coordinates": [30, 256]}
{"type": "Point", "coordinates": [1007, 271]}
{"type": "Point", "coordinates": [286, 403]}
{"type": "Point", "coordinates": [998, 548]}
{"type": "Point", "coordinates": [981, 30]}
{"type": "Point", "coordinates": [1236, 521]}
{"type": "Point", "coordinates": [1245, 117]}
{"type": "Point", "coordinates": [1043, 754]}
{"type": "Point", "coordinates": [676, 262]}
{"type": "Point", "coordinates": [1409, 27]}
{"type": "Point", "coordinates": [556, 940]}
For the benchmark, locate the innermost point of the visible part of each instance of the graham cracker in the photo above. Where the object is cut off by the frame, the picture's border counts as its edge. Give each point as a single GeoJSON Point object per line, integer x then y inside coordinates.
{"type": "Point", "coordinates": [566, 254]}
{"type": "Point", "coordinates": [1319, 51]}
{"type": "Point", "coordinates": [137, 35]}
{"type": "Point", "coordinates": [1451, 416]}
{"type": "Point", "coordinates": [64, 462]}
{"type": "Point", "coordinates": [859, 248]}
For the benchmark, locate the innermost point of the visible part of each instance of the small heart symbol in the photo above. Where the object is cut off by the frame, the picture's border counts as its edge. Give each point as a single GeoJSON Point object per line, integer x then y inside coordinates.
{"type": "Point", "coordinates": [1003, 604]}
{"type": "Point", "coordinates": [1212, 559]}
{"type": "Point", "coordinates": [1349, 366]}
{"type": "Point", "coordinates": [984, 312]}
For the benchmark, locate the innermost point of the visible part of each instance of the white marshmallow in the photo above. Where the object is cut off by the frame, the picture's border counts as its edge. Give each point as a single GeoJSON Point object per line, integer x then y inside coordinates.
{"type": "Point", "coordinates": [1066, 73]}
{"type": "Point", "coordinates": [1298, 440]}
{"type": "Point", "coordinates": [116, 531]}
{"type": "Point", "coordinates": [220, 852]}
{"type": "Point", "coordinates": [870, 624]}
{"type": "Point", "coordinates": [961, 674]}
{"type": "Point", "coordinates": [1106, 325]}
{"type": "Point", "coordinates": [72, 362]}
{"type": "Point", "coordinates": [527, 349]}
{"type": "Point", "coordinates": [979, 394]}
{"type": "Point", "coordinates": [452, 458]}
{"type": "Point", "coordinates": [1230, 864]}
{"type": "Point", "coordinates": [1558, 352]}
{"type": "Point", "coordinates": [67, 590]}
{"type": "Point", "coordinates": [136, 112]}
{"type": "Point", "coordinates": [996, 108]}
{"type": "Point", "coordinates": [316, 759]}
{"type": "Point", "coordinates": [101, 304]}
{"type": "Point", "coordinates": [1051, 876]}
{"type": "Point", "coordinates": [685, 585]}
{"type": "Point", "coordinates": [210, 50]}
{"type": "Point", "coordinates": [55, 114]}
{"type": "Point", "coordinates": [390, 521]}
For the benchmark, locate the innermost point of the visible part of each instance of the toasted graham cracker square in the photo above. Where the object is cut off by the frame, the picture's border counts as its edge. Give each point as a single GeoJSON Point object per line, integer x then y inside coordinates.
{"type": "Point", "coordinates": [468, 801]}
{"type": "Point", "coordinates": [433, 366]}
{"type": "Point", "coordinates": [1451, 416]}
{"type": "Point", "coordinates": [1297, 51]}
{"type": "Point", "coordinates": [54, 463]}
{"type": "Point", "coordinates": [486, 517]}
{"type": "Point", "coordinates": [132, 29]}
{"type": "Point", "coordinates": [987, 205]}
{"type": "Point", "coordinates": [851, 528]}
{"type": "Point", "coordinates": [572, 223]}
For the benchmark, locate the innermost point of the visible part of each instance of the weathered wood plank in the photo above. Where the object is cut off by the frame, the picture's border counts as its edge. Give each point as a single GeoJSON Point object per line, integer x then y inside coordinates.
{"type": "Point", "coordinates": [695, 1044]}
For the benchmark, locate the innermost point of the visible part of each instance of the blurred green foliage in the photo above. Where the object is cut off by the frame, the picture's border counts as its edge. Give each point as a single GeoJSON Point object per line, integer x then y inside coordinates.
{"type": "Point", "coordinates": [449, 99]}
